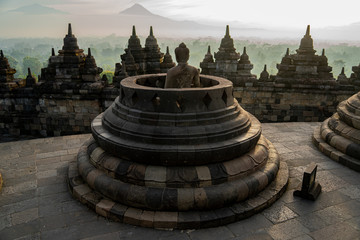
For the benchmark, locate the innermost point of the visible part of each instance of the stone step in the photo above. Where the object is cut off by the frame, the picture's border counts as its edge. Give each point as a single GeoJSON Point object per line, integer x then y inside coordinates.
{"type": "Point", "coordinates": [177, 220]}
{"type": "Point", "coordinates": [333, 153]}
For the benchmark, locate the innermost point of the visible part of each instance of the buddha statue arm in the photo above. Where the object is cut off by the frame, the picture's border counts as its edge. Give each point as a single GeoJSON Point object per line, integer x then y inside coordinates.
{"type": "Point", "coordinates": [196, 79]}
{"type": "Point", "coordinates": [167, 82]}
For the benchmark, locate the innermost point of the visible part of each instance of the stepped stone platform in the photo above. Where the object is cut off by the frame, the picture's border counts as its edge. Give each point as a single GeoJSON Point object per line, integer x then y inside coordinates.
{"type": "Point", "coordinates": [177, 158]}
{"type": "Point", "coordinates": [339, 136]}
{"type": "Point", "coordinates": [35, 202]}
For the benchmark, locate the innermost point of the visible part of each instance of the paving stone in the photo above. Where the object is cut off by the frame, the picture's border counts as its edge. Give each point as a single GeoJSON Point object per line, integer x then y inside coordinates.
{"type": "Point", "coordinates": [303, 237]}
{"type": "Point", "coordinates": [337, 231]}
{"type": "Point", "coordinates": [354, 222]}
{"type": "Point", "coordinates": [279, 213]}
{"type": "Point", "coordinates": [107, 236]}
{"type": "Point", "coordinates": [250, 225]}
{"type": "Point", "coordinates": [287, 230]}
{"type": "Point", "coordinates": [255, 236]}
{"type": "Point", "coordinates": [46, 174]}
{"type": "Point", "coordinates": [5, 221]}
{"type": "Point", "coordinates": [24, 216]}
{"type": "Point", "coordinates": [329, 182]}
{"type": "Point", "coordinates": [51, 189]}
{"type": "Point", "coordinates": [30, 236]}
{"type": "Point", "coordinates": [312, 221]}
{"type": "Point", "coordinates": [24, 186]}
{"type": "Point", "coordinates": [351, 208]}
{"type": "Point", "coordinates": [61, 217]}
{"type": "Point", "coordinates": [324, 200]}
{"type": "Point", "coordinates": [211, 233]}
{"type": "Point", "coordinates": [333, 214]}
{"type": "Point", "coordinates": [178, 236]}
{"type": "Point", "coordinates": [20, 230]}
{"type": "Point", "coordinates": [139, 233]}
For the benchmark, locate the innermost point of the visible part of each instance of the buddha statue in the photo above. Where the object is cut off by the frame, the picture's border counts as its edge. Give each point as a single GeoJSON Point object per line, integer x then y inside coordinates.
{"type": "Point", "coordinates": [182, 75]}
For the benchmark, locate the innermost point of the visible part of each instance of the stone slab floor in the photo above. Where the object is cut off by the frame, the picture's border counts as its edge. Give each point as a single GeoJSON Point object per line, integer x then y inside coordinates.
{"type": "Point", "coordinates": [36, 204]}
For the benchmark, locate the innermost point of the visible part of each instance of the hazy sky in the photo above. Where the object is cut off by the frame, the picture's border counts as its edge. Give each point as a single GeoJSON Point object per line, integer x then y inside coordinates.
{"type": "Point", "coordinates": [275, 13]}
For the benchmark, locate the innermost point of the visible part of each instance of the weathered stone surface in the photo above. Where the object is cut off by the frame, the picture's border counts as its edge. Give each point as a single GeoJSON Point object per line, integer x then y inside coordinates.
{"type": "Point", "coordinates": [187, 151]}
{"type": "Point", "coordinates": [71, 65]}
{"type": "Point", "coordinates": [6, 72]}
{"type": "Point", "coordinates": [339, 136]}
{"type": "Point", "coordinates": [138, 60]}
{"type": "Point", "coordinates": [228, 63]}
{"type": "Point", "coordinates": [305, 66]}
{"type": "Point", "coordinates": [60, 216]}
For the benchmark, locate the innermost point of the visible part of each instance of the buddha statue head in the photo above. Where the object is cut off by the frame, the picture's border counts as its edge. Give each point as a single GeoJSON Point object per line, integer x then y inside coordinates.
{"type": "Point", "coordinates": [182, 53]}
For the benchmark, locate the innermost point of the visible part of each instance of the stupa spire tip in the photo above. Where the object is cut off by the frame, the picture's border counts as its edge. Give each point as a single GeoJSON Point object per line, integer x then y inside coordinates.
{"type": "Point", "coordinates": [69, 29]}
{"type": "Point", "coordinates": [227, 31]}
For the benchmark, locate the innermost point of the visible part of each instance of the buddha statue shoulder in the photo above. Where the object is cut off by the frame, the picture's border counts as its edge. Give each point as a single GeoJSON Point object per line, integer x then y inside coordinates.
{"type": "Point", "coordinates": [182, 75]}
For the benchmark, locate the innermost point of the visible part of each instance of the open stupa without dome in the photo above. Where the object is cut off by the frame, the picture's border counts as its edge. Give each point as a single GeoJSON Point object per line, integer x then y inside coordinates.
{"type": "Point", "coordinates": [177, 157]}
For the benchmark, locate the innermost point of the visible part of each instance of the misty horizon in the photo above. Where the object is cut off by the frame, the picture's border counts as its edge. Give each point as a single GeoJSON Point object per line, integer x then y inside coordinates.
{"type": "Point", "coordinates": [38, 18]}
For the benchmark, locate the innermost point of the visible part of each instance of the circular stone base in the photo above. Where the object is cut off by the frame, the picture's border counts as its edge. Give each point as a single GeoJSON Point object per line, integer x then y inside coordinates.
{"type": "Point", "coordinates": [332, 152]}
{"type": "Point", "coordinates": [173, 219]}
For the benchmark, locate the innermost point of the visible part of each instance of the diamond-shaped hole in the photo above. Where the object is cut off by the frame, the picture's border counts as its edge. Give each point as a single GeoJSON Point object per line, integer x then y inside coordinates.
{"type": "Point", "coordinates": [224, 97]}
{"type": "Point", "coordinates": [207, 100]}
{"type": "Point", "coordinates": [134, 98]}
{"type": "Point", "coordinates": [155, 100]}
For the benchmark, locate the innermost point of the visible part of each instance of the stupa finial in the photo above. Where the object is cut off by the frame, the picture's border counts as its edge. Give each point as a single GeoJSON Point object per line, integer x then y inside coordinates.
{"type": "Point", "coordinates": [323, 52]}
{"type": "Point", "coordinates": [343, 70]}
{"type": "Point", "coordinates": [69, 30]}
{"type": "Point", "coordinates": [244, 52]}
{"type": "Point", "coordinates": [151, 31]}
{"type": "Point", "coordinates": [29, 72]}
{"type": "Point", "coordinates": [1, 53]}
{"type": "Point", "coordinates": [167, 50]}
{"type": "Point", "coordinates": [89, 52]}
{"type": "Point", "coordinates": [227, 34]}
{"type": "Point", "coordinates": [265, 67]}
{"type": "Point", "coordinates": [308, 30]}
{"type": "Point", "coordinates": [52, 52]}
{"type": "Point", "coordinates": [287, 52]}
{"type": "Point", "coordinates": [133, 31]}
{"type": "Point", "coordinates": [209, 51]}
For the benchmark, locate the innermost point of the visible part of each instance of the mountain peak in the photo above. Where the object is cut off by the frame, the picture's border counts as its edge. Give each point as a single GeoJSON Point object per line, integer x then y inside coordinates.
{"type": "Point", "coordinates": [136, 9]}
{"type": "Point", "coordinates": [37, 9]}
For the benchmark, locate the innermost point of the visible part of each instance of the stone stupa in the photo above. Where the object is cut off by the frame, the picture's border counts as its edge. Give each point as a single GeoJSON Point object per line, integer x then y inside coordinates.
{"type": "Point", "coordinates": [6, 72]}
{"type": "Point", "coordinates": [177, 157]}
{"type": "Point", "coordinates": [71, 65]}
{"type": "Point", "coordinates": [305, 66]}
{"type": "Point", "coordinates": [339, 136]}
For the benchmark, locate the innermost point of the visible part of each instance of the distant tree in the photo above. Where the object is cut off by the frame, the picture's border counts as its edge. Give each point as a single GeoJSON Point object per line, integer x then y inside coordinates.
{"type": "Point", "coordinates": [33, 63]}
